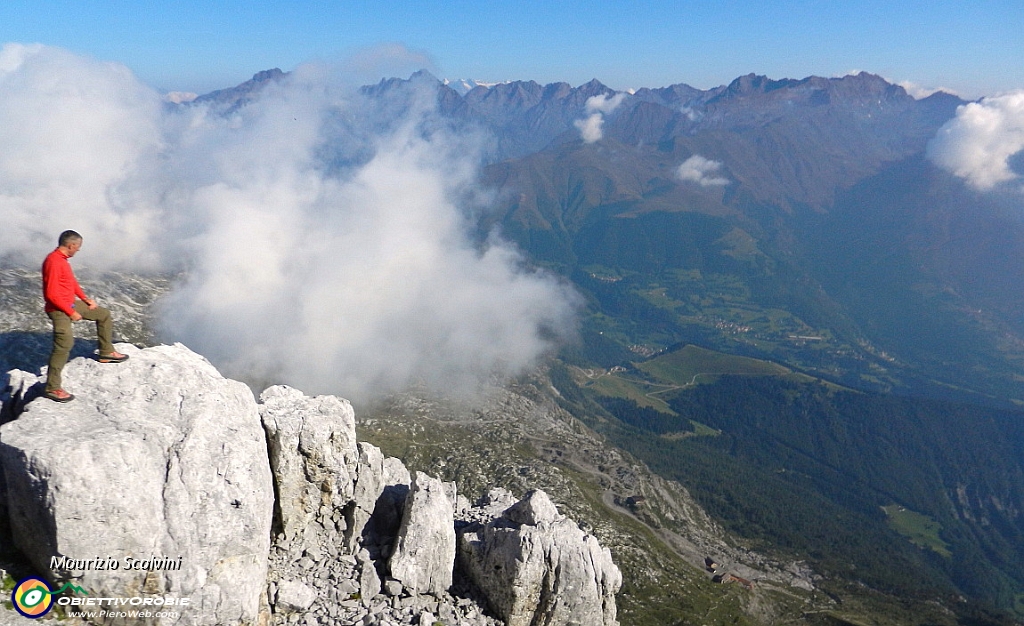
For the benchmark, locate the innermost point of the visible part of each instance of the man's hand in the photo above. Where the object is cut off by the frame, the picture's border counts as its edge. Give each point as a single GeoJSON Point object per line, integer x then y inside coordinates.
{"type": "Point", "coordinates": [90, 303]}
{"type": "Point", "coordinates": [75, 316]}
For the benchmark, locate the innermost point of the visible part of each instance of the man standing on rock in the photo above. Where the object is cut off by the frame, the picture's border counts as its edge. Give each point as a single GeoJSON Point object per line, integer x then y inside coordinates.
{"type": "Point", "coordinates": [60, 290]}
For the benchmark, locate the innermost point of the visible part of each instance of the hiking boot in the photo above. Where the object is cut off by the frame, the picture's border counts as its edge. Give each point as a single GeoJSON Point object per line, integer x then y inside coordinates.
{"type": "Point", "coordinates": [113, 357]}
{"type": "Point", "coordinates": [59, 395]}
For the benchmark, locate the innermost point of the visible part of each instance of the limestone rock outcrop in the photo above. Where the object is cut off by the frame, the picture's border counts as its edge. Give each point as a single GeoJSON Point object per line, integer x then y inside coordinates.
{"type": "Point", "coordinates": [260, 513]}
{"type": "Point", "coordinates": [538, 567]}
{"type": "Point", "coordinates": [375, 512]}
{"type": "Point", "coordinates": [158, 458]}
{"type": "Point", "coordinates": [424, 552]}
{"type": "Point", "coordinates": [312, 445]}
{"type": "Point", "coordinates": [536, 507]}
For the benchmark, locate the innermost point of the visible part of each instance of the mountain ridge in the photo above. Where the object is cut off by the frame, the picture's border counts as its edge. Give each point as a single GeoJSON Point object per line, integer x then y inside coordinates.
{"type": "Point", "coordinates": [796, 221]}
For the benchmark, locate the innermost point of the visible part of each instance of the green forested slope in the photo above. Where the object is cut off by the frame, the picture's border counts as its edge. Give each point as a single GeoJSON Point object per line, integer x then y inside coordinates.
{"type": "Point", "coordinates": [809, 467]}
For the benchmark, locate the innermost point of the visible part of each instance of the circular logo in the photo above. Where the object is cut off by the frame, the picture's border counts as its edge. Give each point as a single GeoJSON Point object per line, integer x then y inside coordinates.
{"type": "Point", "coordinates": [32, 597]}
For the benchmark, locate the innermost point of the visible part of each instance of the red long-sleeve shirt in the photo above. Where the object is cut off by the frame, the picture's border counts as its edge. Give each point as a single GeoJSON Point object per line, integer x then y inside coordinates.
{"type": "Point", "coordinates": [59, 284]}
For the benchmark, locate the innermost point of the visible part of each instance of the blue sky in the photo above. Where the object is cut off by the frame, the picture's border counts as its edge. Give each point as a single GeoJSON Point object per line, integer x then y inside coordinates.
{"type": "Point", "coordinates": [974, 48]}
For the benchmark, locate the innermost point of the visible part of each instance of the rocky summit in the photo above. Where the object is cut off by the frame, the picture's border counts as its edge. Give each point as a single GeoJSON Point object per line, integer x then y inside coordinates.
{"type": "Point", "coordinates": [168, 486]}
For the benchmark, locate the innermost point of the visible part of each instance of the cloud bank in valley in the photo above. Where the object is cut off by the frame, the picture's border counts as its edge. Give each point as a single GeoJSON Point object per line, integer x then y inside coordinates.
{"type": "Point", "coordinates": [73, 134]}
{"type": "Point", "coordinates": [323, 237]}
{"type": "Point", "coordinates": [983, 141]}
{"type": "Point", "coordinates": [701, 170]}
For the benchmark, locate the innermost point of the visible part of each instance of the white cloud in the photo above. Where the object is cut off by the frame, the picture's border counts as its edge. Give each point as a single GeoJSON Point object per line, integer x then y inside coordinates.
{"type": "Point", "coordinates": [324, 238]}
{"type": "Point", "coordinates": [918, 92]}
{"type": "Point", "coordinates": [604, 103]}
{"type": "Point", "coordinates": [691, 114]}
{"type": "Point", "coordinates": [700, 170]}
{"type": "Point", "coordinates": [592, 127]}
{"type": "Point", "coordinates": [180, 97]}
{"type": "Point", "coordinates": [977, 144]}
{"type": "Point", "coordinates": [73, 132]}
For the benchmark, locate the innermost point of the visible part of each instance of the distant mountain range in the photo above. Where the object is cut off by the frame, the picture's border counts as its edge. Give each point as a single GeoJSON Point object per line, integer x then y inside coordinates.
{"type": "Point", "coordinates": [465, 85]}
{"type": "Point", "coordinates": [789, 311]}
{"type": "Point", "coordinates": [794, 221]}
{"type": "Point", "coordinates": [810, 197]}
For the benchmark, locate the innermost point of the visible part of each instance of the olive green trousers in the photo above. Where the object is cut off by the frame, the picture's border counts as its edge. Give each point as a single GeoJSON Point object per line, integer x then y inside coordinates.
{"type": "Point", "coordinates": [64, 339]}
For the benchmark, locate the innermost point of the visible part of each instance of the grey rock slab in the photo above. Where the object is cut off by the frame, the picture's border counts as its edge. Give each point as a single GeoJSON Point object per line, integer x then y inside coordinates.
{"type": "Point", "coordinates": [549, 573]}
{"type": "Point", "coordinates": [392, 587]}
{"type": "Point", "coordinates": [159, 456]}
{"type": "Point", "coordinates": [369, 581]}
{"type": "Point", "coordinates": [380, 490]}
{"type": "Point", "coordinates": [294, 595]}
{"type": "Point", "coordinates": [424, 553]}
{"type": "Point", "coordinates": [534, 508]}
{"type": "Point", "coordinates": [313, 454]}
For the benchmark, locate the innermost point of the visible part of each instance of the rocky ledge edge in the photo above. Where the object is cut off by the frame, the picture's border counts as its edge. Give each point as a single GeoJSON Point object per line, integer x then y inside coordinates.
{"type": "Point", "coordinates": [165, 480]}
